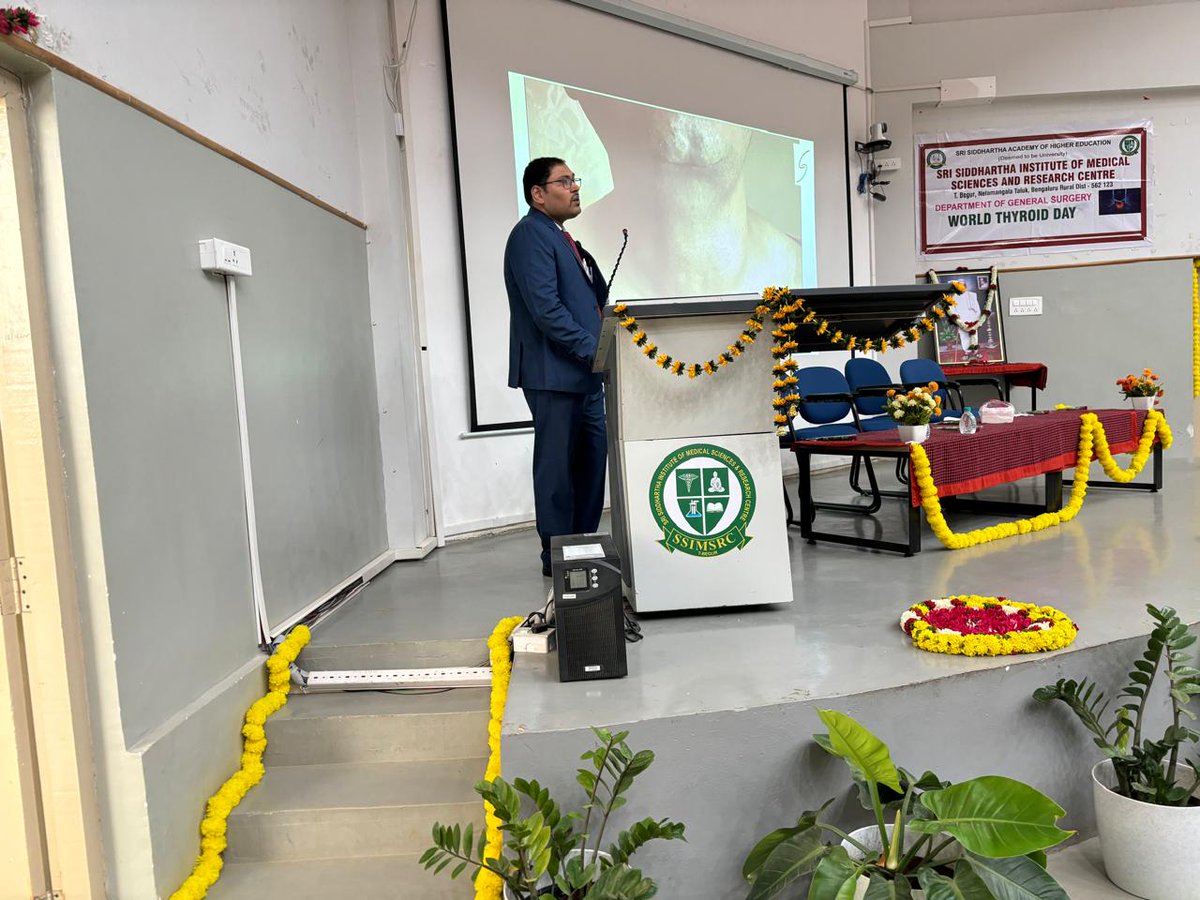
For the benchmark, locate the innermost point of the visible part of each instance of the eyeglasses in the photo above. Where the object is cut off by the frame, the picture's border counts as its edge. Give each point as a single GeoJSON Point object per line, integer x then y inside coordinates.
{"type": "Point", "coordinates": [566, 182]}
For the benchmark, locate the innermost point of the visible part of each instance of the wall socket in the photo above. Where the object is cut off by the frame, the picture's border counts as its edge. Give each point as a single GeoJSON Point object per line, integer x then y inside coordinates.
{"type": "Point", "coordinates": [1024, 306]}
{"type": "Point", "coordinates": [224, 258]}
{"type": "Point", "coordinates": [891, 164]}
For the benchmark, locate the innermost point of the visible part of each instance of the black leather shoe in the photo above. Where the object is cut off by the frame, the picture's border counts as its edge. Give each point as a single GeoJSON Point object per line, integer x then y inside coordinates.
{"type": "Point", "coordinates": [545, 571]}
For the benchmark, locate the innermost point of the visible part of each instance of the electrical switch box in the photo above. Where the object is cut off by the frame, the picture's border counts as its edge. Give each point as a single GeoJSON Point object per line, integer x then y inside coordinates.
{"type": "Point", "coordinates": [223, 258]}
{"type": "Point", "coordinates": [1024, 306]}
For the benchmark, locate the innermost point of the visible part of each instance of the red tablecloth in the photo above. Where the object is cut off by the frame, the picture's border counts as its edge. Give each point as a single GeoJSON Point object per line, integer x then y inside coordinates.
{"type": "Point", "coordinates": [1032, 375]}
{"type": "Point", "coordinates": [997, 454]}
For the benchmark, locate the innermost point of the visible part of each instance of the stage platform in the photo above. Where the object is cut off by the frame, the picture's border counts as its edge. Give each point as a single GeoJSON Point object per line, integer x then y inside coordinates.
{"type": "Point", "coordinates": [727, 700]}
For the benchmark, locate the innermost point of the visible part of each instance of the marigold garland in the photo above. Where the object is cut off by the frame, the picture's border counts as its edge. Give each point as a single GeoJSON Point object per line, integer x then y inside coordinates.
{"type": "Point", "coordinates": [1196, 327]}
{"type": "Point", "coordinates": [668, 363]}
{"type": "Point", "coordinates": [488, 885]}
{"type": "Point", "coordinates": [208, 865]}
{"type": "Point", "coordinates": [971, 329]}
{"type": "Point", "coordinates": [937, 626]}
{"type": "Point", "coordinates": [1092, 440]}
{"type": "Point", "coordinates": [789, 313]}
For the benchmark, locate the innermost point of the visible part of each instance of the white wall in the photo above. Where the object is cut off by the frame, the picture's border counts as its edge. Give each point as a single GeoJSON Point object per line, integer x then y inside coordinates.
{"type": "Point", "coordinates": [1101, 66]}
{"type": "Point", "coordinates": [295, 86]}
{"type": "Point", "coordinates": [485, 481]}
{"type": "Point", "coordinates": [1070, 68]}
{"type": "Point", "coordinates": [270, 79]}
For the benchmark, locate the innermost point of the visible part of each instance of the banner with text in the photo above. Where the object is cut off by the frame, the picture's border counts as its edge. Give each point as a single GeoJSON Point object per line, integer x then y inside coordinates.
{"type": "Point", "coordinates": [1000, 193]}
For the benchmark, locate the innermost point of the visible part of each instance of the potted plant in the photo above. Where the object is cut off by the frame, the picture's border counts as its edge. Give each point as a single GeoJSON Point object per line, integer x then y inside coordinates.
{"type": "Point", "coordinates": [1142, 390]}
{"type": "Point", "coordinates": [1147, 809]}
{"type": "Point", "coordinates": [913, 410]}
{"type": "Point", "coordinates": [983, 839]}
{"type": "Point", "coordinates": [547, 853]}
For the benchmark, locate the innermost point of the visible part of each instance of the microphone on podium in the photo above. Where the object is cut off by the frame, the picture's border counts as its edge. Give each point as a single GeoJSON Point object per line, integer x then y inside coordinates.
{"type": "Point", "coordinates": [617, 264]}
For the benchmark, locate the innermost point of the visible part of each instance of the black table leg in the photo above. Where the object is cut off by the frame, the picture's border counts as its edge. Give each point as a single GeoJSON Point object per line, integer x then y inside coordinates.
{"type": "Point", "coordinates": [1054, 491]}
{"type": "Point", "coordinates": [1158, 468]}
{"type": "Point", "coordinates": [804, 465]}
{"type": "Point", "coordinates": [1032, 397]}
{"type": "Point", "coordinates": [914, 528]}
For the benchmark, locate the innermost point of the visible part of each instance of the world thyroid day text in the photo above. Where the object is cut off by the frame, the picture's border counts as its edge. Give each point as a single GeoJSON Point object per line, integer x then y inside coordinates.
{"type": "Point", "coordinates": [1024, 193]}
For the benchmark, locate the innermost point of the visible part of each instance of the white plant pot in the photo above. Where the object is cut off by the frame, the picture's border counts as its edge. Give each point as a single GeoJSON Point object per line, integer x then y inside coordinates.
{"type": "Point", "coordinates": [869, 838]}
{"type": "Point", "coordinates": [1143, 402]}
{"type": "Point", "coordinates": [544, 883]}
{"type": "Point", "coordinates": [913, 434]}
{"type": "Point", "coordinates": [1149, 851]}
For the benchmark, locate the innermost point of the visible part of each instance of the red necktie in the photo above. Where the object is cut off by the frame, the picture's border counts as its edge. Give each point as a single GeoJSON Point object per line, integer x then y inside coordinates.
{"type": "Point", "coordinates": [578, 256]}
{"type": "Point", "coordinates": [574, 246]}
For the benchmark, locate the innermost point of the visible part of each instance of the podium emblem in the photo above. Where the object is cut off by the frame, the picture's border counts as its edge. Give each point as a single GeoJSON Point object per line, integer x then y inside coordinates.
{"type": "Point", "coordinates": [702, 497]}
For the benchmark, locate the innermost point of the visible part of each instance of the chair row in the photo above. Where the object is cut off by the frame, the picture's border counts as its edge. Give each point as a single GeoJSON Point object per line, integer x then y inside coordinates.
{"type": "Point", "coordinates": [828, 396]}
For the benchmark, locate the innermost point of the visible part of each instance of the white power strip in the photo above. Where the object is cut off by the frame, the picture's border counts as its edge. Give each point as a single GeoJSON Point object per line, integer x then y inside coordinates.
{"type": "Point", "coordinates": [385, 679]}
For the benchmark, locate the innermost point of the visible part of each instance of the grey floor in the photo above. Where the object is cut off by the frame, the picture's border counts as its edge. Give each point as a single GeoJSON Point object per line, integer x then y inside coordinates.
{"type": "Point", "coordinates": [838, 636]}
{"type": "Point", "coordinates": [840, 633]}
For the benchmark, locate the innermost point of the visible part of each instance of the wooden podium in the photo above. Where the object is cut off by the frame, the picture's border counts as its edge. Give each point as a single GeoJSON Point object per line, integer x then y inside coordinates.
{"type": "Point", "coordinates": [695, 477]}
{"type": "Point", "coordinates": [694, 464]}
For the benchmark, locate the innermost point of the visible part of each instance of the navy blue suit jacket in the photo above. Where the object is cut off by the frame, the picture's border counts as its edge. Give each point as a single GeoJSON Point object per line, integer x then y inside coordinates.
{"type": "Point", "coordinates": [554, 310]}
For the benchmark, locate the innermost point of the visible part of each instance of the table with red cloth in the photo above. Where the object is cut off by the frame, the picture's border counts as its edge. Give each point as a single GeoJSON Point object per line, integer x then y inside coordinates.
{"type": "Point", "coordinates": [1022, 374]}
{"type": "Point", "coordinates": [1044, 444]}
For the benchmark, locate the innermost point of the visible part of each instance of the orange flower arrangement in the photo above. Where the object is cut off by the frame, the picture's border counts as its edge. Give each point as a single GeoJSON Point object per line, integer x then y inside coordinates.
{"type": "Point", "coordinates": [1145, 385]}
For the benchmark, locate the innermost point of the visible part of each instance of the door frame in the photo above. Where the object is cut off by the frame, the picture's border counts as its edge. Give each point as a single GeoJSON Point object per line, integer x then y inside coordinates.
{"type": "Point", "coordinates": [43, 639]}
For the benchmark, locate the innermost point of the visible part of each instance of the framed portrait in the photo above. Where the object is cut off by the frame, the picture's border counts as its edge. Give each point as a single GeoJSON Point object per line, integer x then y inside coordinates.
{"type": "Point", "coordinates": [957, 346]}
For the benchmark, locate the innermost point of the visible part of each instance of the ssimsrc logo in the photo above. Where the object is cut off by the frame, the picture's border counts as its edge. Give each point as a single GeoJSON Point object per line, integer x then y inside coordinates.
{"type": "Point", "coordinates": [702, 497]}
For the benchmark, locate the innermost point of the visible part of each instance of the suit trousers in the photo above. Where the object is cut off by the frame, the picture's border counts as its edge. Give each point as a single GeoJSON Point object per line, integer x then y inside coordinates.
{"type": "Point", "coordinates": [570, 451]}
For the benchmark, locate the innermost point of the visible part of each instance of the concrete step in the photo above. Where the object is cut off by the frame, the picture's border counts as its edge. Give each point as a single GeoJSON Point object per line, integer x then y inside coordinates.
{"type": "Point", "coordinates": [353, 810]}
{"type": "Point", "coordinates": [370, 726]}
{"type": "Point", "coordinates": [395, 654]}
{"type": "Point", "coordinates": [372, 878]}
{"type": "Point", "coordinates": [1080, 870]}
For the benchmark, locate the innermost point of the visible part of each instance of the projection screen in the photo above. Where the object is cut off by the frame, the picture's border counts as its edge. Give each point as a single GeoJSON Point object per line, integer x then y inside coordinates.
{"type": "Point", "coordinates": [728, 172]}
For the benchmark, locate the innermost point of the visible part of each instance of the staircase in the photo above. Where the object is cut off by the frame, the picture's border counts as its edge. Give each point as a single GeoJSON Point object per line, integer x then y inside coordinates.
{"type": "Point", "coordinates": [356, 780]}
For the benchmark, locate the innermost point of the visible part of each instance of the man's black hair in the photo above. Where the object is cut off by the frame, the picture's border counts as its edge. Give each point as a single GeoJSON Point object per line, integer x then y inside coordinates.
{"type": "Point", "coordinates": [537, 172]}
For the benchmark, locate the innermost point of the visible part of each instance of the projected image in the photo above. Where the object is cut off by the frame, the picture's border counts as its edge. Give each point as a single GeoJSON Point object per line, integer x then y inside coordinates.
{"type": "Point", "coordinates": [712, 207]}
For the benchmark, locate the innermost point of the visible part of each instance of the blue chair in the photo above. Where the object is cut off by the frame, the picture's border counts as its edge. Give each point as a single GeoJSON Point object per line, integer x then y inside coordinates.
{"type": "Point", "coordinates": [919, 372]}
{"type": "Point", "coordinates": [869, 383]}
{"type": "Point", "coordinates": [826, 399]}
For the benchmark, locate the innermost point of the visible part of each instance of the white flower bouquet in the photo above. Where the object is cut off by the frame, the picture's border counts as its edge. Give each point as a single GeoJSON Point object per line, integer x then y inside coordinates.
{"type": "Point", "coordinates": [916, 407]}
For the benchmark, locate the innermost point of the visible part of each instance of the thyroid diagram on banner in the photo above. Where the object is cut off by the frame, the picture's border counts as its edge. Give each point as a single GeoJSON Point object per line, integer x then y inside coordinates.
{"type": "Point", "coordinates": [1001, 193]}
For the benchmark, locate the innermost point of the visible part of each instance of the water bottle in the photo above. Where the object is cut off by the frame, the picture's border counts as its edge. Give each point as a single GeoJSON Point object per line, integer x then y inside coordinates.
{"type": "Point", "coordinates": [967, 423]}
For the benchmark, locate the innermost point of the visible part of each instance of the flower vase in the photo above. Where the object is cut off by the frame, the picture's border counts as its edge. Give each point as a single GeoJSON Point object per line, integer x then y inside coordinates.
{"type": "Point", "coordinates": [1143, 402]}
{"type": "Point", "coordinates": [913, 434]}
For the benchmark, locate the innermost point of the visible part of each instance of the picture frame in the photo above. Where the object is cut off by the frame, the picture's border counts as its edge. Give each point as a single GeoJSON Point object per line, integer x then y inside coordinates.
{"type": "Point", "coordinates": [953, 344]}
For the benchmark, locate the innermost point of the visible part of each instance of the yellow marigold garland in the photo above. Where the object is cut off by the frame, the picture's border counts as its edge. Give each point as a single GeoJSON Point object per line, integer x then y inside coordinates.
{"type": "Point", "coordinates": [668, 363]}
{"type": "Point", "coordinates": [208, 865]}
{"type": "Point", "coordinates": [1196, 327]}
{"type": "Point", "coordinates": [1056, 631]}
{"type": "Point", "coordinates": [789, 313]}
{"type": "Point", "coordinates": [488, 885]}
{"type": "Point", "coordinates": [1091, 439]}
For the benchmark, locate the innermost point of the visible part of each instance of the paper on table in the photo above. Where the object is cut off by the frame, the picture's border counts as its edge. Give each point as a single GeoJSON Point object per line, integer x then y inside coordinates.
{"type": "Point", "coordinates": [583, 551]}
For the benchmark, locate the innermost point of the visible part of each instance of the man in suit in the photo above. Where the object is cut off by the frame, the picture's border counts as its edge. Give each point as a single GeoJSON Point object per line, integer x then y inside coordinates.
{"type": "Point", "coordinates": [555, 296]}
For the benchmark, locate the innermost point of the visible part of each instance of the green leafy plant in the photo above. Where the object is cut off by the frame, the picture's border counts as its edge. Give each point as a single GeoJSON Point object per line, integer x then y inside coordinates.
{"type": "Point", "coordinates": [983, 839]}
{"type": "Point", "coordinates": [1145, 769]}
{"type": "Point", "coordinates": [544, 849]}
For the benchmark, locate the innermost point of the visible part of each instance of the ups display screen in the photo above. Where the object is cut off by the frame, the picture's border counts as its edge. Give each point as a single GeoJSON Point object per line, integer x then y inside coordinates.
{"type": "Point", "coordinates": [577, 579]}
